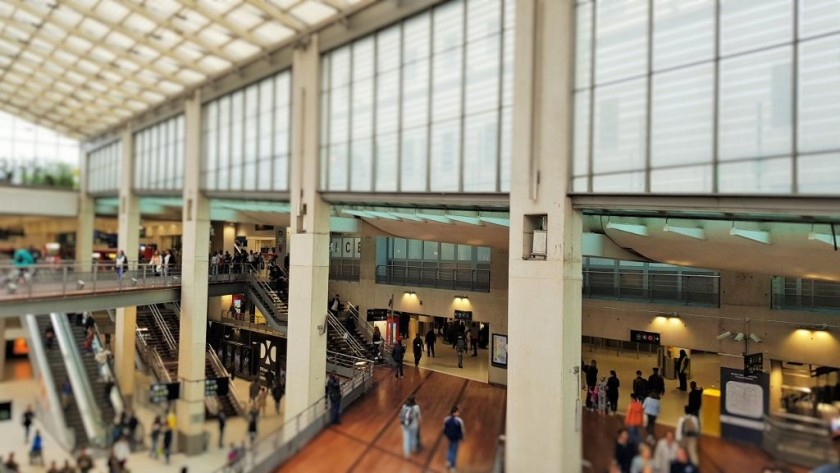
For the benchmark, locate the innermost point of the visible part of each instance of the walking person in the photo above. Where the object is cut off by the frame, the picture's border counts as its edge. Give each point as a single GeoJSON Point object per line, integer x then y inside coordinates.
{"type": "Point", "coordinates": [683, 362]}
{"type": "Point", "coordinates": [28, 416]}
{"type": "Point", "coordinates": [431, 338]}
{"type": "Point", "coordinates": [254, 390]}
{"type": "Point", "coordinates": [222, 421]}
{"type": "Point", "coordinates": [398, 354]}
{"type": "Point", "coordinates": [634, 419]}
{"type": "Point", "coordinates": [167, 443]}
{"type": "Point", "coordinates": [454, 431]}
{"type": "Point", "coordinates": [334, 396]}
{"type": "Point", "coordinates": [591, 372]}
{"type": "Point", "coordinates": [84, 462]}
{"type": "Point", "coordinates": [36, 453]}
{"type": "Point", "coordinates": [252, 427]}
{"type": "Point", "coordinates": [410, 421]}
{"type": "Point", "coordinates": [261, 400]}
{"type": "Point", "coordinates": [640, 386]}
{"type": "Point", "coordinates": [460, 348]}
{"type": "Point", "coordinates": [157, 426]}
{"type": "Point", "coordinates": [417, 343]}
{"type": "Point", "coordinates": [665, 453]}
{"type": "Point", "coordinates": [625, 451]}
{"type": "Point", "coordinates": [656, 383]}
{"type": "Point", "coordinates": [156, 263]}
{"type": "Point", "coordinates": [612, 391]}
{"type": "Point", "coordinates": [474, 339]}
{"type": "Point", "coordinates": [688, 433]}
{"type": "Point", "coordinates": [277, 393]}
{"type": "Point", "coordinates": [695, 399]}
{"type": "Point", "coordinates": [652, 407]}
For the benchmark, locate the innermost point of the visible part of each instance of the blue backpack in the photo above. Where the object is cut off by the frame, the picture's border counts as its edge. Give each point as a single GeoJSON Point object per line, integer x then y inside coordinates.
{"type": "Point", "coordinates": [452, 429]}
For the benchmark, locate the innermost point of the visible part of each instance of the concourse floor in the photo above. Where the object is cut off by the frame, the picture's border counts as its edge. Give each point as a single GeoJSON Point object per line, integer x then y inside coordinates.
{"type": "Point", "coordinates": [705, 371]}
{"type": "Point", "coordinates": [446, 362]}
{"type": "Point", "coordinates": [369, 439]}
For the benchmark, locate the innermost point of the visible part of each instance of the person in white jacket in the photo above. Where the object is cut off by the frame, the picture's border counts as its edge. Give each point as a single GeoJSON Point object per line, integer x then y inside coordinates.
{"type": "Point", "coordinates": [665, 453]}
{"type": "Point", "coordinates": [688, 433]}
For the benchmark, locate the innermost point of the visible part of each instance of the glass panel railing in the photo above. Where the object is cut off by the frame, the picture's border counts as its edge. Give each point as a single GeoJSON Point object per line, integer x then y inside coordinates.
{"type": "Point", "coordinates": [465, 279]}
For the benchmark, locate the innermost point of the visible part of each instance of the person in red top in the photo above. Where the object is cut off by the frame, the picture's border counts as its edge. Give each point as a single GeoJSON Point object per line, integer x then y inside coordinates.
{"type": "Point", "coordinates": [634, 419]}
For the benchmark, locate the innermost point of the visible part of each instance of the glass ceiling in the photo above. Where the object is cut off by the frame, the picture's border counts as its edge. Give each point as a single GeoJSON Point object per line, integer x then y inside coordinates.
{"type": "Point", "coordinates": [83, 66]}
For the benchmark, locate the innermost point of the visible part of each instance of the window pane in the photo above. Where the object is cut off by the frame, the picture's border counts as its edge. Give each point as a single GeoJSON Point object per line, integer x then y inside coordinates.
{"type": "Point", "coordinates": [430, 251]}
{"type": "Point", "coordinates": [386, 162]}
{"type": "Point", "coordinates": [447, 252]}
{"type": "Point", "coordinates": [416, 38]}
{"type": "Point", "coordinates": [583, 45]}
{"type": "Point", "coordinates": [415, 250]}
{"type": "Point", "coordinates": [361, 165]}
{"type": "Point", "coordinates": [362, 109]}
{"type": "Point", "coordinates": [620, 127]}
{"type": "Point", "coordinates": [446, 149]}
{"type": "Point", "coordinates": [580, 163]}
{"type": "Point", "coordinates": [683, 116]}
{"type": "Point", "coordinates": [755, 110]}
{"type": "Point", "coordinates": [694, 179]}
{"type": "Point", "coordinates": [446, 85]}
{"type": "Point", "coordinates": [765, 176]}
{"type": "Point", "coordinates": [819, 94]}
{"type": "Point", "coordinates": [483, 254]}
{"type": "Point", "coordinates": [448, 25]}
{"type": "Point", "coordinates": [747, 25]}
{"type": "Point", "coordinates": [338, 167]}
{"type": "Point", "coordinates": [818, 17]}
{"type": "Point", "coordinates": [683, 32]}
{"type": "Point", "coordinates": [363, 58]}
{"type": "Point", "coordinates": [413, 162]}
{"type": "Point", "coordinates": [340, 115]}
{"type": "Point", "coordinates": [818, 173]}
{"type": "Point", "coordinates": [624, 182]}
{"type": "Point", "coordinates": [464, 253]}
{"type": "Point", "coordinates": [481, 152]}
{"type": "Point", "coordinates": [482, 81]}
{"type": "Point", "coordinates": [621, 47]}
{"type": "Point", "coordinates": [484, 18]}
{"type": "Point", "coordinates": [505, 153]}
{"type": "Point", "coordinates": [415, 95]}
{"type": "Point", "coordinates": [388, 49]}
{"type": "Point", "coordinates": [399, 249]}
{"type": "Point", "coordinates": [387, 102]}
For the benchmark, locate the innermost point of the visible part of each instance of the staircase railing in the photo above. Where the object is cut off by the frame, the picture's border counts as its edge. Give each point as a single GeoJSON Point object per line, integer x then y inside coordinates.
{"type": "Point", "coordinates": [269, 302]}
{"type": "Point", "coordinates": [82, 392]}
{"type": "Point", "coordinates": [338, 328]}
{"type": "Point", "coordinates": [367, 330]}
{"type": "Point", "coordinates": [107, 370]}
{"type": "Point", "coordinates": [152, 358]}
{"type": "Point", "coordinates": [220, 370]}
{"type": "Point", "coordinates": [171, 343]}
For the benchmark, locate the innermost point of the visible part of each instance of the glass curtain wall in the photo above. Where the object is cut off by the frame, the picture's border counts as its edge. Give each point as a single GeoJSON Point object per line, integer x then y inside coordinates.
{"type": "Point", "coordinates": [707, 96]}
{"type": "Point", "coordinates": [345, 258]}
{"type": "Point", "coordinates": [159, 156]}
{"type": "Point", "coordinates": [246, 137]}
{"type": "Point", "coordinates": [423, 105]}
{"type": "Point", "coordinates": [104, 165]}
{"type": "Point", "coordinates": [31, 155]}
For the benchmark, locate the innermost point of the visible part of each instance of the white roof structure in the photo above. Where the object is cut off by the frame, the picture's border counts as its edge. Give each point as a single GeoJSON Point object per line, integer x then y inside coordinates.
{"type": "Point", "coordinates": [81, 67]}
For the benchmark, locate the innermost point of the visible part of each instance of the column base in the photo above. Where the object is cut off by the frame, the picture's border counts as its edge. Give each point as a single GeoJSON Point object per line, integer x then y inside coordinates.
{"type": "Point", "coordinates": [192, 444]}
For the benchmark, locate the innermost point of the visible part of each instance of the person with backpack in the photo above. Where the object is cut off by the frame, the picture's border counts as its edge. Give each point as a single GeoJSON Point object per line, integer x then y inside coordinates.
{"type": "Point", "coordinates": [453, 429]}
{"type": "Point", "coordinates": [688, 433]}
{"type": "Point", "coordinates": [398, 354]}
{"type": "Point", "coordinates": [460, 347]}
{"type": "Point", "coordinates": [334, 396]}
{"type": "Point", "coordinates": [410, 422]}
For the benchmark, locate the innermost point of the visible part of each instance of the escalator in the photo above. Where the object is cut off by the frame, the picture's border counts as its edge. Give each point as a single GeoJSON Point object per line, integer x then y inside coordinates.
{"type": "Point", "coordinates": [95, 377]}
{"type": "Point", "coordinates": [58, 370]}
{"type": "Point", "coordinates": [270, 302]}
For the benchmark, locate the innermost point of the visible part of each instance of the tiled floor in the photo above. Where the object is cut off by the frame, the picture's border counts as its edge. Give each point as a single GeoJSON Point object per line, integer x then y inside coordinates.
{"type": "Point", "coordinates": [446, 361]}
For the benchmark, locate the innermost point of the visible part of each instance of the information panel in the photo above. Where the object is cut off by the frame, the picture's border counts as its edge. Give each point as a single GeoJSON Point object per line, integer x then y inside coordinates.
{"type": "Point", "coordinates": [648, 338]}
{"type": "Point", "coordinates": [216, 387]}
{"type": "Point", "coordinates": [377, 315]}
{"type": "Point", "coordinates": [463, 315]}
{"type": "Point", "coordinates": [754, 364]}
{"type": "Point", "coordinates": [164, 392]}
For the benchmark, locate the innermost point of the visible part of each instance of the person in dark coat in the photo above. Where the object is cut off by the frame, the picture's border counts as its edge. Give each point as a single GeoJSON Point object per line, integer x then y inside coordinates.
{"type": "Point", "coordinates": [640, 386]}
{"type": "Point", "coordinates": [398, 353]}
{"type": "Point", "coordinates": [695, 399]}
{"type": "Point", "coordinates": [612, 391]}
{"type": "Point", "coordinates": [431, 338]}
{"type": "Point", "coordinates": [656, 383]}
{"type": "Point", "coordinates": [417, 344]}
{"type": "Point", "coordinates": [334, 395]}
{"type": "Point", "coordinates": [682, 370]}
{"type": "Point", "coordinates": [625, 451]}
{"type": "Point", "coordinates": [591, 372]}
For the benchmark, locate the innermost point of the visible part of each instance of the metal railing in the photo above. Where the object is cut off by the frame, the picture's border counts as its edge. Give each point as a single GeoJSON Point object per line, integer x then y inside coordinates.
{"type": "Point", "coordinates": [796, 439]}
{"type": "Point", "coordinates": [652, 286]}
{"type": "Point", "coordinates": [345, 269]}
{"type": "Point", "coordinates": [285, 441]}
{"type": "Point", "coordinates": [335, 325]}
{"type": "Point", "coordinates": [464, 279]}
{"type": "Point", "coordinates": [171, 343]}
{"type": "Point", "coordinates": [367, 330]}
{"type": "Point", "coordinates": [220, 370]}
{"type": "Point", "coordinates": [107, 371]}
{"type": "Point", "coordinates": [227, 319]}
{"type": "Point", "coordinates": [151, 358]}
{"type": "Point", "coordinates": [808, 294]}
{"type": "Point", "coordinates": [71, 278]}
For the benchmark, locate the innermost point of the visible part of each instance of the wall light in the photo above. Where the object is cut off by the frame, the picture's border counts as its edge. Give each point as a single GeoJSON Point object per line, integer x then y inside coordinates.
{"type": "Point", "coordinates": [724, 335]}
{"type": "Point", "coordinates": [410, 293]}
{"type": "Point", "coordinates": [460, 297]}
{"type": "Point", "coordinates": [814, 328]}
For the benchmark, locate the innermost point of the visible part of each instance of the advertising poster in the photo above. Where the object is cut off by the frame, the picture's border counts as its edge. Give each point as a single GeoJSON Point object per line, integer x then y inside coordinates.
{"type": "Point", "coordinates": [499, 352]}
{"type": "Point", "coordinates": [744, 402]}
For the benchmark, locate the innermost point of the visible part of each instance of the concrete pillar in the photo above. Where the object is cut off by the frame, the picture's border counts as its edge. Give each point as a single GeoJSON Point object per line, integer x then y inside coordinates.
{"type": "Point", "coordinates": [87, 216]}
{"type": "Point", "coordinates": [193, 327]}
{"type": "Point", "coordinates": [309, 265]}
{"type": "Point", "coordinates": [543, 406]}
{"type": "Point", "coordinates": [2, 349]}
{"type": "Point", "coordinates": [218, 240]}
{"type": "Point", "coordinates": [128, 237]}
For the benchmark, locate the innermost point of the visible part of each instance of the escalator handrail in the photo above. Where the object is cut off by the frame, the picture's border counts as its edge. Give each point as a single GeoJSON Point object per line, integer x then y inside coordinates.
{"type": "Point", "coordinates": [171, 343]}
{"type": "Point", "coordinates": [339, 328]}
{"type": "Point", "coordinates": [82, 392]}
{"type": "Point", "coordinates": [119, 405]}
{"type": "Point", "coordinates": [220, 370]}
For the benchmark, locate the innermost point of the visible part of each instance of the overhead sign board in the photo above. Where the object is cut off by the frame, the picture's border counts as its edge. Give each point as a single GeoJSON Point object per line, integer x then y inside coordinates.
{"type": "Point", "coordinates": [216, 387]}
{"type": "Point", "coordinates": [648, 338]}
{"type": "Point", "coordinates": [463, 315]}
{"type": "Point", "coordinates": [164, 392]}
{"type": "Point", "coordinates": [754, 364]}
{"type": "Point", "coordinates": [377, 315]}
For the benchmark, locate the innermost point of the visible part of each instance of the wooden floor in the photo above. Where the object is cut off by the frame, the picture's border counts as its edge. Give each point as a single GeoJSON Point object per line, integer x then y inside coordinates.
{"type": "Point", "coordinates": [369, 438]}
{"type": "Point", "coordinates": [716, 455]}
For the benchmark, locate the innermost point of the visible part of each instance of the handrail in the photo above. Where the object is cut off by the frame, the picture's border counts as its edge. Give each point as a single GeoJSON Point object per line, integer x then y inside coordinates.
{"type": "Point", "coordinates": [368, 330]}
{"type": "Point", "coordinates": [288, 438]}
{"type": "Point", "coordinates": [152, 359]}
{"type": "Point", "coordinates": [65, 435]}
{"type": "Point", "coordinates": [171, 343]}
{"type": "Point", "coordinates": [336, 325]}
{"type": "Point", "coordinates": [399, 274]}
{"type": "Point", "coordinates": [220, 369]}
{"type": "Point", "coordinates": [82, 392]}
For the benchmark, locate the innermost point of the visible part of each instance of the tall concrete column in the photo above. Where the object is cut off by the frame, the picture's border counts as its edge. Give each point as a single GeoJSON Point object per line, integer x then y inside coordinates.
{"type": "Point", "coordinates": [193, 328]}
{"type": "Point", "coordinates": [309, 265]}
{"type": "Point", "coordinates": [128, 238]}
{"type": "Point", "coordinates": [543, 409]}
{"type": "Point", "coordinates": [2, 349]}
{"type": "Point", "coordinates": [87, 217]}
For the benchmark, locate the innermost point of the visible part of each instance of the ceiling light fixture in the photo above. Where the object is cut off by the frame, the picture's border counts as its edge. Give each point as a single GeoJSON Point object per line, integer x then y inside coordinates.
{"type": "Point", "coordinates": [633, 229]}
{"type": "Point", "coordinates": [696, 233]}
{"type": "Point", "coordinates": [759, 236]}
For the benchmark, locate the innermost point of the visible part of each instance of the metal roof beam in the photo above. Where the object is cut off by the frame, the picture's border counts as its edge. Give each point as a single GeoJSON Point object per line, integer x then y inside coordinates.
{"type": "Point", "coordinates": [280, 15]}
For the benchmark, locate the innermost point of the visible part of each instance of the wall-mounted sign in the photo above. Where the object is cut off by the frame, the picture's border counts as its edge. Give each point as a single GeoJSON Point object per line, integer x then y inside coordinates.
{"type": "Point", "coordinates": [463, 315]}
{"type": "Point", "coordinates": [754, 364]}
{"type": "Point", "coordinates": [164, 392]}
{"type": "Point", "coordinates": [649, 338]}
{"type": "Point", "coordinates": [5, 410]}
{"type": "Point", "coordinates": [377, 315]}
{"type": "Point", "coordinates": [498, 357]}
{"type": "Point", "coordinates": [216, 387]}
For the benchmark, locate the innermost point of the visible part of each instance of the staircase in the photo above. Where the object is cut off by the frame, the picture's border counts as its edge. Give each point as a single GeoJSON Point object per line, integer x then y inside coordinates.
{"type": "Point", "coordinates": [72, 416]}
{"type": "Point", "coordinates": [270, 302]}
{"type": "Point", "coordinates": [363, 332]}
